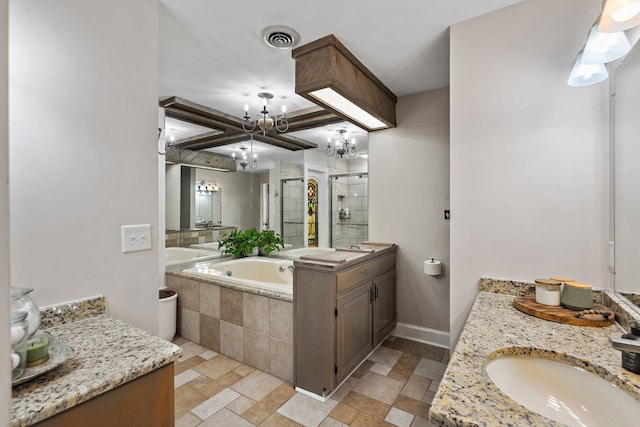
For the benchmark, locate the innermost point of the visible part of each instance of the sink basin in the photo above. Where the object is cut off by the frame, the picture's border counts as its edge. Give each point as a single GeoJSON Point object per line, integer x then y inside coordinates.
{"type": "Point", "coordinates": [563, 392]}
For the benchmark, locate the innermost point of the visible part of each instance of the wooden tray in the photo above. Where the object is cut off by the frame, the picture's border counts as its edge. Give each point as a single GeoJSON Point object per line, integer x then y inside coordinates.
{"type": "Point", "coordinates": [603, 317]}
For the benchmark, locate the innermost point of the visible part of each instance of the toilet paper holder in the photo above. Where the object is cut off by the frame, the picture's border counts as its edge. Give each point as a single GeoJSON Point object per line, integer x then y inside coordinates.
{"type": "Point", "coordinates": [433, 267]}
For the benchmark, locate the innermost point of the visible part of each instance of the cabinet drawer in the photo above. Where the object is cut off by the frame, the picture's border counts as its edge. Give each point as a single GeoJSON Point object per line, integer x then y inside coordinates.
{"type": "Point", "coordinates": [363, 272]}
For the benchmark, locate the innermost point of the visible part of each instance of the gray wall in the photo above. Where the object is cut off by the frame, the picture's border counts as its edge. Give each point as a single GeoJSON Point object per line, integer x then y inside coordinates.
{"type": "Point", "coordinates": [83, 131]}
{"type": "Point", "coordinates": [529, 154]}
{"type": "Point", "coordinates": [408, 192]}
{"type": "Point", "coordinates": [5, 371]}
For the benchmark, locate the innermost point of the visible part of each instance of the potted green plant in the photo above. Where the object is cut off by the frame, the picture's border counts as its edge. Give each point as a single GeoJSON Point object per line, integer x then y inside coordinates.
{"type": "Point", "coordinates": [242, 243]}
{"type": "Point", "coordinates": [269, 241]}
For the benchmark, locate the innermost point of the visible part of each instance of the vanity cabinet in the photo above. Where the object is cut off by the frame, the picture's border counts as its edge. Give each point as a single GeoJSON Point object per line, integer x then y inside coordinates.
{"type": "Point", "coordinates": [344, 306]}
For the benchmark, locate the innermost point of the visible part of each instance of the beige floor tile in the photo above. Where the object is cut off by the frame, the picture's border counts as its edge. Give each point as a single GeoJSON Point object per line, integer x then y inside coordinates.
{"type": "Point", "coordinates": [366, 420]}
{"type": "Point", "coordinates": [178, 340]}
{"type": "Point", "coordinates": [212, 405]}
{"type": "Point", "coordinates": [331, 422]}
{"type": "Point", "coordinates": [185, 377]}
{"type": "Point", "coordinates": [399, 418]}
{"type": "Point", "coordinates": [422, 422]}
{"type": "Point", "coordinates": [416, 348]}
{"type": "Point", "coordinates": [191, 349]}
{"type": "Point", "coordinates": [208, 354]}
{"type": "Point", "coordinates": [416, 387]}
{"type": "Point", "coordinates": [187, 420]}
{"type": "Point", "coordinates": [344, 389]}
{"type": "Point", "coordinates": [380, 369]}
{"type": "Point", "coordinates": [363, 369]}
{"type": "Point", "coordinates": [240, 405]}
{"type": "Point", "coordinates": [366, 404]}
{"type": "Point", "coordinates": [244, 370]}
{"type": "Point", "coordinates": [269, 404]}
{"type": "Point", "coordinates": [306, 410]}
{"type": "Point", "coordinates": [428, 397]}
{"type": "Point", "coordinates": [186, 399]}
{"type": "Point", "coordinates": [385, 356]}
{"type": "Point", "coordinates": [224, 417]}
{"type": "Point", "coordinates": [277, 420]}
{"type": "Point", "coordinates": [217, 366]}
{"type": "Point", "coordinates": [403, 370]}
{"type": "Point", "coordinates": [257, 385]}
{"type": "Point", "coordinates": [210, 387]}
{"type": "Point", "coordinates": [415, 407]}
{"type": "Point", "coordinates": [344, 413]}
{"type": "Point", "coordinates": [180, 367]}
{"type": "Point", "coordinates": [430, 369]}
{"type": "Point", "coordinates": [379, 387]}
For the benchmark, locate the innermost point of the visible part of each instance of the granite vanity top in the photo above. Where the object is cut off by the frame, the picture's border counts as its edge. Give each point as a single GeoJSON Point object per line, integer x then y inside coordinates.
{"type": "Point", "coordinates": [468, 397]}
{"type": "Point", "coordinates": [108, 353]}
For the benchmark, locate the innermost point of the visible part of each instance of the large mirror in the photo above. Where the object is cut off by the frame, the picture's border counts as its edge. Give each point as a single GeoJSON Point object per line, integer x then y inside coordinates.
{"type": "Point", "coordinates": [626, 103]}
{"type": "Point", "coordinates": [272, 193]}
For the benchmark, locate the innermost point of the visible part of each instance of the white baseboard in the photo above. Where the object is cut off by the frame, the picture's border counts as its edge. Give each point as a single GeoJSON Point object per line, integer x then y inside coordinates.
{"type": "Point", "coordinates": [422, 334]}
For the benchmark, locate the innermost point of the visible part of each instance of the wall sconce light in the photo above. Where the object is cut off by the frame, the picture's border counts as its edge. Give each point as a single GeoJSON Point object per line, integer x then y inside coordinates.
{"type": "Point", "coordinates": [619, 15]}
{"type": "Point", "coordinates": [329, 75]}
{"type": "Point", "coordinates": [604, 47]}
{"type": "Point", "coordinates": [263, 120]}
{"type": "Point", "coordinates": [206, 187]}
{"type": "Point", "coordinates": [341, 145]}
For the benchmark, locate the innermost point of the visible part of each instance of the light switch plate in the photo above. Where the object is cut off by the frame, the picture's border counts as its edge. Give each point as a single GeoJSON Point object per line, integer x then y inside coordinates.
{"type": "Point", "coordinates": [136, 237]}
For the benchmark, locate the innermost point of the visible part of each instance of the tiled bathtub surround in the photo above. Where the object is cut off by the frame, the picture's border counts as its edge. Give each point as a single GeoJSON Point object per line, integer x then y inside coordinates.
{"type": "Point", "coordinates": [252, 328]}
{"type": "Point", "coordinates": [71, 311]}
{"type": "Point", "coordinates": [468, 397]}
{"type": "Point", "coordinates": [191, 237]}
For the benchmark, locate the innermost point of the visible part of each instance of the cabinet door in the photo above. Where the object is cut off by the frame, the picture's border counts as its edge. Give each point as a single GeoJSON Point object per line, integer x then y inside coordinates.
{"type": "Point", "coordinates": [384, 305]}
{"type": "Point", "coordinates": [353, 329]}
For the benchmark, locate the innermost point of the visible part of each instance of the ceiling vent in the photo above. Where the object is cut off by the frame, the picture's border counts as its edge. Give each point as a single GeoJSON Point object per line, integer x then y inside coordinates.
{"type": "Point", "coordinates": [280, 37]}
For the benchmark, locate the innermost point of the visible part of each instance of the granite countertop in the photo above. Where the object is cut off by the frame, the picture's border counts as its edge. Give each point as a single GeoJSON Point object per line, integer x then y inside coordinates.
{"type": "Point", "coordinates": [468, 397]}
{"type": "Point", "coordinates": [108, 353]}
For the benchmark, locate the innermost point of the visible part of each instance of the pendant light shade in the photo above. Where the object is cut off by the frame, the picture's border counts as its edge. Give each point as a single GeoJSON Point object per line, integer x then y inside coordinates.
{"type": "Point", "coordinates": [604, 47]}
{"type": "Point", "coordinates": [586, 74]}
{"type": "Point", "coordinates": [619, 15]}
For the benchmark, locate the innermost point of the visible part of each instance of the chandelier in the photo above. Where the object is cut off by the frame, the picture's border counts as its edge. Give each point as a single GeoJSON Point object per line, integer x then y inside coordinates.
{"type": "Point", "coordinates": [245, 159]}
{"type": "Point", "coordinates": [341, 145]}
{"type": "Point", "coordinates": [262, 120]}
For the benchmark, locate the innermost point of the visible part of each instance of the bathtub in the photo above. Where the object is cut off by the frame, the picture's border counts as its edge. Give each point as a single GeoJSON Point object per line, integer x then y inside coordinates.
{"type": "Point", "coordinates": [211, 246]}
{"type": "Point", "coordinates": [174, 256]}
{"type": "Point", "coordinates": [310, 251]}
{"type": "Point", "coordinates": [260, 273]}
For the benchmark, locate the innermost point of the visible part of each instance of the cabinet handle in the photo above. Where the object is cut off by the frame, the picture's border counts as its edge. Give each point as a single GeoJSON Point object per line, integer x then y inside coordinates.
{"type": "Point", "coordinates": [376, 291]}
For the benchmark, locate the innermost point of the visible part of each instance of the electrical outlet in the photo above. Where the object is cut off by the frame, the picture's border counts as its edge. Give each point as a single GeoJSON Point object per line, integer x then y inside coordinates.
{"type": "Point", "coordinates": [136, 238]}
{"type": "Point", "coordinates": [447, 215]}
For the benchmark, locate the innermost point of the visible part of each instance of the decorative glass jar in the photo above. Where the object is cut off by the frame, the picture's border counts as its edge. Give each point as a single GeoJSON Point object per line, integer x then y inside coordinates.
{"type": "Point", "coordinates": [22, 301]}
{"type": "Point", "coordinates": [19, 328]}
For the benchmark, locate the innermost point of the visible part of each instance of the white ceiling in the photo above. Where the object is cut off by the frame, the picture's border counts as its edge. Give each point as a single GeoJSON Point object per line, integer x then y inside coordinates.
{"type": "Point", "coordinates": [212, 52]}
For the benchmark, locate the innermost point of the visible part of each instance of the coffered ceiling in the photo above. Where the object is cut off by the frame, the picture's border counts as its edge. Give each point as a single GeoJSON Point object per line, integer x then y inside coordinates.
{"type": "Point", "coordinates": [212, 52]}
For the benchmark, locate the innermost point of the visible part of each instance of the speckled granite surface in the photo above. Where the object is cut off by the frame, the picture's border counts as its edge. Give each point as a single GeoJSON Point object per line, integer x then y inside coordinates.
{"type": "Point", "coordinates": [468, 397]}
{"type": "Point", "coordinates": [109, 353]}
{"type": "Point", "coordinates": [71, 311]}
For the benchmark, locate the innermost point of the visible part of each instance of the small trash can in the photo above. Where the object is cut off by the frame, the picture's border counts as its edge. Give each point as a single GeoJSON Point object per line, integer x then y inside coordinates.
{"type": "Point", "coordinates": [167, 310]}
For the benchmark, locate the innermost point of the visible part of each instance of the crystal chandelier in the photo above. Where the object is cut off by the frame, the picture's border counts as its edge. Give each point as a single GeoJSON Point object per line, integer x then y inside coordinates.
{"type": "Point", "coordinates": [341, 145]}
{"type": "Point", "coordinates": [262, 120]}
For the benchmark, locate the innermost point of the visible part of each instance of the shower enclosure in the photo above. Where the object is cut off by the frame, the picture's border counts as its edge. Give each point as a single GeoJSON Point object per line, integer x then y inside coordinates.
{"type": "Point", "coordinates": [349, 209]}
{"type": "Point", "coordinates": [292, 202]}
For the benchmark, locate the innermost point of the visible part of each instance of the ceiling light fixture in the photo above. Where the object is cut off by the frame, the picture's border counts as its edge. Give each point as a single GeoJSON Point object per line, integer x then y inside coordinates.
{"type": "Point", "coordinates": [263, 120]}
{"type": "Point", "coordinates": [604, 47]}
{"type": "Point", "coordinates": [329, 75]}
{"type": "Point", "coordinates": [619, 15]}
{"type": "Point", "coordinates": [586, 74]}
{"type": "Point", "coordinates": [341, 145]}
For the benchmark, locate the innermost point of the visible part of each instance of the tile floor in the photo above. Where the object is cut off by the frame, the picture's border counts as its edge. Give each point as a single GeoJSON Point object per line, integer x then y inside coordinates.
{"type": "Point", "coordinates": [394, 387]}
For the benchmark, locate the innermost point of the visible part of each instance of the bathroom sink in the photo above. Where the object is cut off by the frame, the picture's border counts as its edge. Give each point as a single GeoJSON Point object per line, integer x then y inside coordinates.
{"type": "Point", "coordinates": [563, 392]}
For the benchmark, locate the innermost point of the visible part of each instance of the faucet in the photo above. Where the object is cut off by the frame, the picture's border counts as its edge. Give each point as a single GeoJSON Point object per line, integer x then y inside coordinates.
{"type": "Point", "coordinates": [625, 344]}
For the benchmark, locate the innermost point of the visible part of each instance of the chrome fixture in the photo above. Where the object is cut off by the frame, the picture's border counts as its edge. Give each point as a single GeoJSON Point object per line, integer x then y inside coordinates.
{"type": "Point", "coordinates": [341, 145]}
{"type": "Point", "coordinates": [262, 120]}
{"type": "Point", "coordinates": [625, 344]}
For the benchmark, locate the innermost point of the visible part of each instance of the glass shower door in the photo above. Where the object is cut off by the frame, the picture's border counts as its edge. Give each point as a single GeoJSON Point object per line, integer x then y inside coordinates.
{"type": "Point", "coordinates": [349, 209]}
{"type": "Point", "coordinates": [292, 206]}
